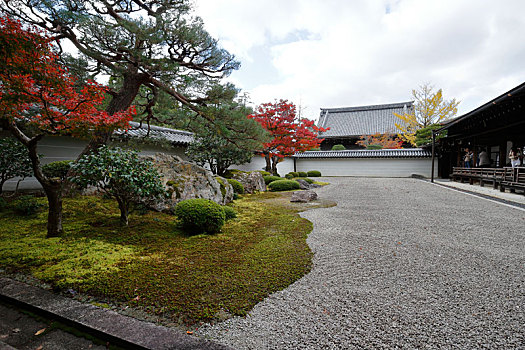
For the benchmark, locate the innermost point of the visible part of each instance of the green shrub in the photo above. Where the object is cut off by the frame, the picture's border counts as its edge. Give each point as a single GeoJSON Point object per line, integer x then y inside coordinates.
{"type": "Point", "coordinates": [121, 175]}
{"type": "Point", "coordinates": [271, 178]}
{"type": "Point", "coordinates": [314, 173]}
{"type": "Point", "coordinates": [310, 181]}
{"type": "Point", "coordinates": [289, 176]}
{"type": "Point", "coordinates": [199, 215]}
{"type": "Point", "coordinates": [229, 213]}
{"type": "Point", "coordinates": [264, 173]}
{"type": "Point", "coordinates": [237, 186]}
{"type": "Point", "coordinates": [228, 174]}
{"type": "Point", "coordinates": [283, 185]}
{"type": "Point", "coordinates": [3, 204]}
{"type": "Point", "coordinates": [26, 206]}
{"type": "Point", "coordinates": [338, 148]}
{"type": "Point", "coordinates": [14, 160]}
{"type": "Point", "coordinates": [293, 173]}
{"type": "Point", "coordinates": [57, 169]}
{"type": "Point", "coordinates": [302, 174]}
{"type": "Point", "coordinates": [374, 147]}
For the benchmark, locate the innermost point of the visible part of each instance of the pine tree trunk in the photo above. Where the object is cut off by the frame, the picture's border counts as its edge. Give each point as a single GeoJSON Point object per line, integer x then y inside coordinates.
{"type": "Point", "coordinates": [121, 101]}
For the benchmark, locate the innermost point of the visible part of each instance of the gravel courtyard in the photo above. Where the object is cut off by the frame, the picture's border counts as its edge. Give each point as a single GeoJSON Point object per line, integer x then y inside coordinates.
{"type": "Point", "coordinates": [399, 263]}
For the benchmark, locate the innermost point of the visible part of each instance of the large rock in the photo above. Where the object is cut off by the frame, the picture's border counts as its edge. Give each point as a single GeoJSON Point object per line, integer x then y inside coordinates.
{"type": "Point", "coordinates": [251, 181]}
{"type": "Point", "coordinates": [305, 185]}
{"type": "Point", "coordinates": [185, 180]}
{"type": "Point", "coordinates": [303, 196]}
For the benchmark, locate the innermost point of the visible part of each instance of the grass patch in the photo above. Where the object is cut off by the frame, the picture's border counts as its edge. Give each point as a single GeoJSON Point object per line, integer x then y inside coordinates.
{"type": "Point", "coordinates": [153, 266]}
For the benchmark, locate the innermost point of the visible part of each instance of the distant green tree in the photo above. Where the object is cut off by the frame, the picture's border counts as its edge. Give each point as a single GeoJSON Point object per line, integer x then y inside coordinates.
{"type": "Point", "coordinates": [215, 151]}
{"type": "Point", "coordinates": [14, 161]}
{"type": "Point", "coordinates": [423, 137]}
{"type": "Point", "coordinates": [219, 146]}
{"type": "Point", "coordinates": [120, 174]}
{"type": "Point", "coordinates": [338, 147]}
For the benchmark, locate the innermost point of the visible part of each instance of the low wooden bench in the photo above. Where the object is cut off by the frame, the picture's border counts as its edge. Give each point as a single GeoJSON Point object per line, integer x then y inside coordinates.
{"type": "Point", "coordinates": [514, 179]}
{"type": "Point", "coordinates": [493, 176]}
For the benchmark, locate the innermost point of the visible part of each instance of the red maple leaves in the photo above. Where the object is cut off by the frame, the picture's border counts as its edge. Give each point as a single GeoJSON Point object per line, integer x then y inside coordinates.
{"type": "Point", "coordinates": [35, 89]}
{"type": "Point", "coordinates": [289, 133]}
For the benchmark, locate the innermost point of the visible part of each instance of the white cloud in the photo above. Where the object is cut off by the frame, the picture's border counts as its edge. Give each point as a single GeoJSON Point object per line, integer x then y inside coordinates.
{"type": "Point", "coordinates": [336, 53]}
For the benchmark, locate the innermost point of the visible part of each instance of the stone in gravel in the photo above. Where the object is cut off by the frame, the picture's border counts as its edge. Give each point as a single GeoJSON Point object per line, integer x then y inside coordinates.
{"type": "Point", "coordinates": [303, 196]}
{"type": "Point", "coordinates": [303, 184]}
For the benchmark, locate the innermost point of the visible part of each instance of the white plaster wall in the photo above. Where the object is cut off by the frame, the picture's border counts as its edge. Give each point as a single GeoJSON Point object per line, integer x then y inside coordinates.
{"type": "Point", "coordinates": [258, 163]}
{"type": "Point", "coordinates": [56, 148]}
{"type": "Point", "coordinates": [373, 167]}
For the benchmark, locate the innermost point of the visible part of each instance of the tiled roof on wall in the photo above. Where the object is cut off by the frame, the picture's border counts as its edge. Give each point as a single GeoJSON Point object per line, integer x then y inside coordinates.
{"type": "Point", "coordinates": [364, 120]}
{"type": "Point", "coordinates": [365, 153]}
{"type": "Point", "coordinates": [157, 132]}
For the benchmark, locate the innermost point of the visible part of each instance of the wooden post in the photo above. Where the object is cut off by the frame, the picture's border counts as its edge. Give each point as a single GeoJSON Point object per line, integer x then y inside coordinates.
{"type": "Point", "coordinates": [433, 150]}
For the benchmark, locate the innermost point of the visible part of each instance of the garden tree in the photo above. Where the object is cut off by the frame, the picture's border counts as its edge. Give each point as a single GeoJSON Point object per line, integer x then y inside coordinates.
{"type": "Point", "coordinates": [212, 145]}
{"type": "Point", "coordinates": [380, 141]}
{"type": "Point", "coordinates": [148, 48]}
{"type": "Point", "coordinates": [120, 174]}
{"type": "Point", "coordinates": [217, 152]}
{"type": "Point", "coordinates": [424, 135]}
{"type": "Point", "coordinates": [14, 161]}
{"type": "Point", "coordinates": [289, 134]}
{"type": "Point", "coordinates": [38, 98]}
{"type": "Point", "coordinates": [429, 108]}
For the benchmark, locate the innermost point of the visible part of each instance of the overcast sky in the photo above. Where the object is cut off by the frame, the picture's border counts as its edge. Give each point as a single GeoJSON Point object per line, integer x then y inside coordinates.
{"type": "Point", "coordinates": [341, 53]}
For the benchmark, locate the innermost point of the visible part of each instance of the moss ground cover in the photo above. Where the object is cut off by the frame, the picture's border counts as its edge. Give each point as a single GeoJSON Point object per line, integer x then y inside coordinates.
{"type": "Point", "coordinates": [154, 266]}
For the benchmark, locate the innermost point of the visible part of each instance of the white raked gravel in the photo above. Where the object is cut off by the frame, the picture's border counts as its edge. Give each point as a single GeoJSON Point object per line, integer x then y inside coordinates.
{"type": "Point", "coordinates": [398, 264]}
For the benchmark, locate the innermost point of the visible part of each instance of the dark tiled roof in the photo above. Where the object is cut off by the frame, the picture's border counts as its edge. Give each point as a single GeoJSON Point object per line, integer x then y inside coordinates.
{"type": "Point", "coordinates": [364, 120]}
{"type": "Point", "coordinates": [365, 153]}
{"type": "Point", "coordinates": [157, 132]}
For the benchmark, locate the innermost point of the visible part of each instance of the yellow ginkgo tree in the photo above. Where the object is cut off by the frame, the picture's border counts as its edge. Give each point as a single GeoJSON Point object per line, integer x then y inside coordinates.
{"type": "Point", "coordinates": [429, 108]}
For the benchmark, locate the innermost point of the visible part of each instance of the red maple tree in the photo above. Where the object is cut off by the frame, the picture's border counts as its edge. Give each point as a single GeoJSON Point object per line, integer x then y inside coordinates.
{"type": "Point", "coordinates": [289, 133]}
{"type": "Point", "coordinates": [38, 98]}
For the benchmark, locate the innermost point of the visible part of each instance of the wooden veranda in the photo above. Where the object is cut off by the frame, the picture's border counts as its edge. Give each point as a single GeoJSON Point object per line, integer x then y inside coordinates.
{"type": "Point", "coordinates": [494, 127]}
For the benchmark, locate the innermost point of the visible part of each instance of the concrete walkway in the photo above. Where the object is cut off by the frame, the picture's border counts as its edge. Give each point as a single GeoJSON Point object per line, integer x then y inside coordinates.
{"type": "Point", "coordinates": [18, 330]}
{"type": "Point", "coordinates": [399, 264]}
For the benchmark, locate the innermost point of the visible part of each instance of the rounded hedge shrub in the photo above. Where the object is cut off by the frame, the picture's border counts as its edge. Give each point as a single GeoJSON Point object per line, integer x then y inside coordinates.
{"type": "Point", "coordinates": [199, 215]}
{"type": "Point", "coordinates": [338, 148]}
{"type": "Point", "coordinates": [302, 174]}
{"type": "Point", "coordinates": [57, 169]}
{"type": "Point", "coordinates": [283, 185]}
{"type": "Point", "coordinates": [264, 173]}
{"type": "Point", "coordinates": [288, 176]}
{"type": "Point", "coordinates": [229, 213]}
{"type": "Point", "coordinates": [314, 173]}
{"type": "Point", "coordinates": [293, 174]}
{"type": "Point", "coordinates": [237, 186]}
{"type": "Point", "coordinates": [271, 178]}
{"type": "Point", "coordinates": [374, 147]}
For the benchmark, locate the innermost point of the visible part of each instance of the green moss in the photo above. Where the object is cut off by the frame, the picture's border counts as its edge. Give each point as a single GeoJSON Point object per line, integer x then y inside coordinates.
{"type": "Point", "coordinates": [153, 266]}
